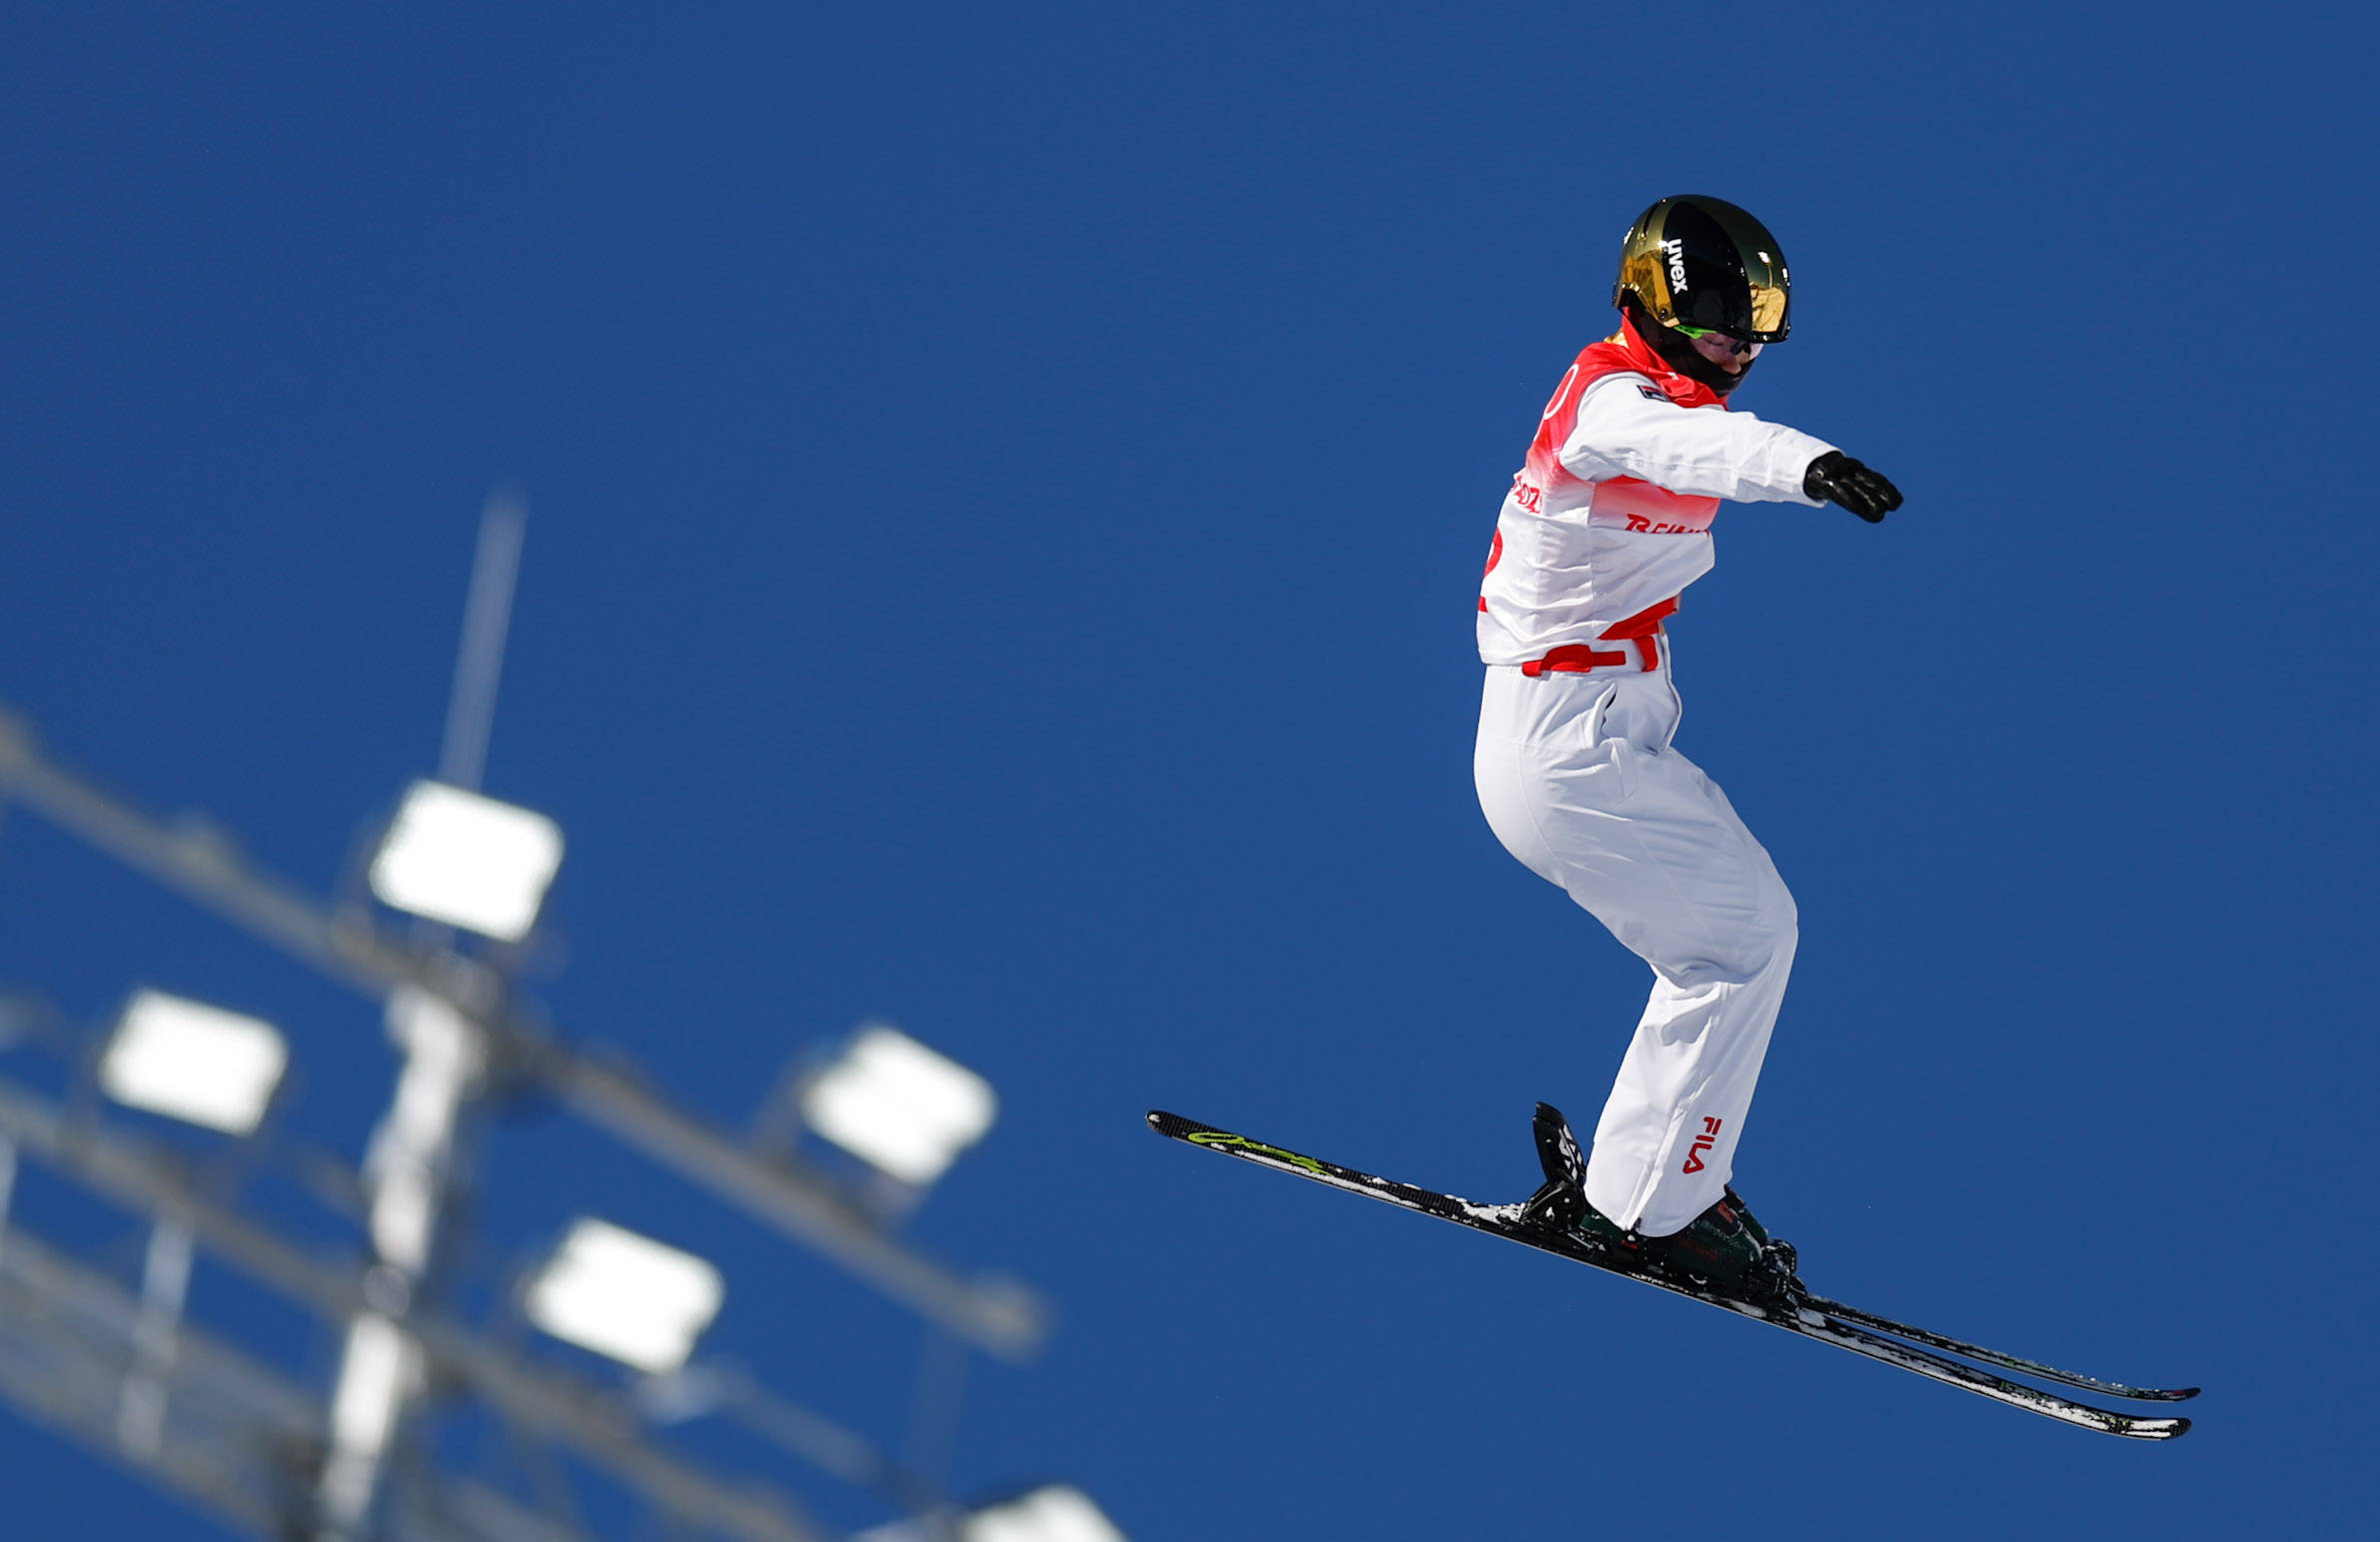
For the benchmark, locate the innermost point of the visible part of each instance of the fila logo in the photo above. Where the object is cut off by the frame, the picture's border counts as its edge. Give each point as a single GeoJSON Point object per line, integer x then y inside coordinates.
{"type": "Point", "coordinates": [1703, 1143]}
{"type": "Point", "coordinates": [1675, 250]}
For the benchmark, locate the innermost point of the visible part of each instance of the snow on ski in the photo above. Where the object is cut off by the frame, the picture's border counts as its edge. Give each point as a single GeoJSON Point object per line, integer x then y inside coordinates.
{"type": "Point", "coordinates": [1830, 1322]}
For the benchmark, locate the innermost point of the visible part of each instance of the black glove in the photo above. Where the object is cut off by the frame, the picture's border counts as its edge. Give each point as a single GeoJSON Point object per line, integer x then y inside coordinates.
{"type": "Point", "coordinates": [1838, 478]}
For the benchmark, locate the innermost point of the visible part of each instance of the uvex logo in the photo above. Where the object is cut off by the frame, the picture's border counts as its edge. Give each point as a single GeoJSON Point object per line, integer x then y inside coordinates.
{"type": "Point", "coordinates": [1703, 1143]}
{"type": "Point", "coordinates": [1675, 252]}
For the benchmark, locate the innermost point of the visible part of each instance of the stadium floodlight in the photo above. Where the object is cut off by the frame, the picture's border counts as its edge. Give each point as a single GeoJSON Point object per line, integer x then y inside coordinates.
{"type": "Point", "coordinates": [467, 861]}
{"type": "Point", "coordinates": [627, 1296]}
{"type": "Point", "coordinates": [898, 1107]}
{"type": "Point", "coordinates": [1055, 1513]}
{"type": "Point", "coordinates": [193, 1062]}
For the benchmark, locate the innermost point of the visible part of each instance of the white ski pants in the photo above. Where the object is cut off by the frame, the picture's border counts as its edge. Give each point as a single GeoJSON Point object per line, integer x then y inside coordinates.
{"type": "Point", "coordinates": [1578, 780]}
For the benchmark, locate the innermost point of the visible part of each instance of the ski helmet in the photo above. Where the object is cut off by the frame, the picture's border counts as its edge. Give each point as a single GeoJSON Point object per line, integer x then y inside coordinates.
{"type": "Point", "coordinates": [1703, 263]}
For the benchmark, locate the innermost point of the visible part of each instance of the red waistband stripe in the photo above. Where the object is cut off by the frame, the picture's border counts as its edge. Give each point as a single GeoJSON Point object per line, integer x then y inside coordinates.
{"type": "Point", "coordinates": [1641, 629]}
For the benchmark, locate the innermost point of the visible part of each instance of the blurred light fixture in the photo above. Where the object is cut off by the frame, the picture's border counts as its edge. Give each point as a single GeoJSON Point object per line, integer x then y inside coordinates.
{"type": "Point", "coordinates": [626, 1296]}
{"type": "Point", "coordinates": [898, 1105]}
{"type": "Point", "coordinates": [192, 1061]}
{"type": "Point", "coordinates": [1057, 1513]}
{"type": "Point", "coordinates": [467, 861]}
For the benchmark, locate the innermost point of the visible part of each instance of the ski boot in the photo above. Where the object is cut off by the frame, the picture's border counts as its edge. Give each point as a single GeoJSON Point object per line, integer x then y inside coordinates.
{"type": "Point", "coordinates": [1729, 1250]}
{"type": "Point", "coordinates": [1775, 1250]}
{"type": "Point", "coordinates": [1723, 1248]}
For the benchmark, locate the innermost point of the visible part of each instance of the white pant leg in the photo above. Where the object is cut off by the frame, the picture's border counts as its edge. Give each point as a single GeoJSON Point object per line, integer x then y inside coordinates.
{"type": "Point", "coordinates": [1577, 781]}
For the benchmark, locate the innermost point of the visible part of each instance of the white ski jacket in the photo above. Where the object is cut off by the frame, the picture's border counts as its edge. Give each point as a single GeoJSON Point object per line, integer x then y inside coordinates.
{"type": "Point", "coordinates": [1610, 519]}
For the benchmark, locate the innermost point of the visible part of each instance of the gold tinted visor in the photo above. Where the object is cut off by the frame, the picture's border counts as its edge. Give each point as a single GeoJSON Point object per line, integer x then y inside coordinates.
{"type": "Point", "coordinates": [1767, 306]}
{"type": "Point", "coordinates": [1641, 272]}
{"type": "Point", "coordinates": [1764, 275]}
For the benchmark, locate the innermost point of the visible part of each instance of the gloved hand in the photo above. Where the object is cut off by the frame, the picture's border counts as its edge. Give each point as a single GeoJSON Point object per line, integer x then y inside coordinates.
{"type": "Point", "coordinates": [1838, 478]}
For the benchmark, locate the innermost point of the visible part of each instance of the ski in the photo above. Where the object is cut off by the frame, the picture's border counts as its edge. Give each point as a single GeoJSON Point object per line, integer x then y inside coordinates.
{"type": "Point", "coordinates": [2005, 1361]}
{"type": "Point", "coordinates": [1796, 1312]}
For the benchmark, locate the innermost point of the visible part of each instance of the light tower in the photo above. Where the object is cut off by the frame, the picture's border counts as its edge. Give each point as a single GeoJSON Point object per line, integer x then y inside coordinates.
{"type": "Point", "coordinates": [211, 1418]}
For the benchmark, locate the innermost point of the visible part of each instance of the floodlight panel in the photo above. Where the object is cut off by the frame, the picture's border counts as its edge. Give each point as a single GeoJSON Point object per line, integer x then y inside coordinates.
{"type": "Point", "coordinates": [1058, 1513]}
{"type": "Point", "coordinates": [627, 1296]}
{"type": "Point", "coordinates": [195, 1062]}
{"type": "Point", "coordinates": [468, 860]}
{"type": "Point", "coordinates": [898, 1105]}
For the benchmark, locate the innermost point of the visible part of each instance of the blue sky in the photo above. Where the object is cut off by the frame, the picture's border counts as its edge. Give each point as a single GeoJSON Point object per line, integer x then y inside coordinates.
{"type": "Point", "coordinates": [1008, 499]}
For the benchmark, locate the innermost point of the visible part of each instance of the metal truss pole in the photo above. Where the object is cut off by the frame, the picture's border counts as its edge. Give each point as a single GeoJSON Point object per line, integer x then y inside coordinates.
{"type": "Point", "coordinates": [409, 1170]}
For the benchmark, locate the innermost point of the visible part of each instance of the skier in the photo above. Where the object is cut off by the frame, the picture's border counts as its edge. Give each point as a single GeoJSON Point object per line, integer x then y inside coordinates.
{"type": "Point", "coordinates": [1606, 524]}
